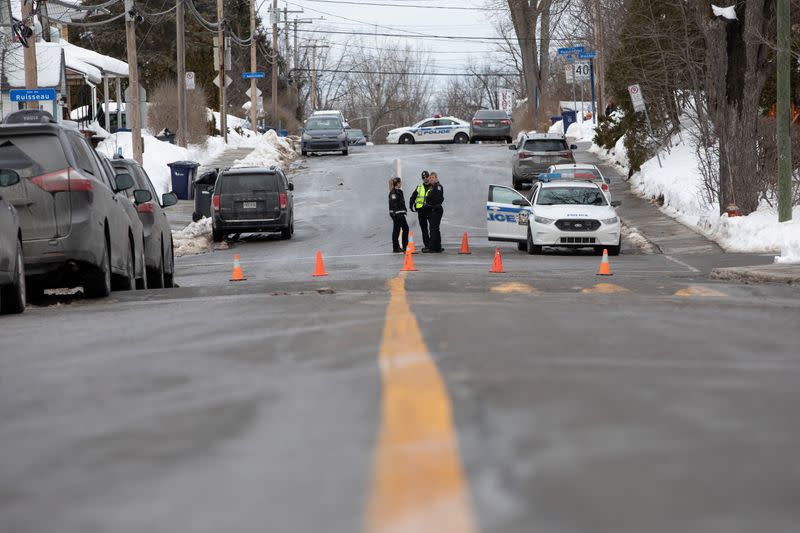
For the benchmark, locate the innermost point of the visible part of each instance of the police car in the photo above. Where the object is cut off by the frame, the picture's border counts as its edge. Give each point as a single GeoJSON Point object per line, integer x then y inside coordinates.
{"type": "Point", "coordinates": [556, 212]}
{"type": "Point", "coordinates": [435, 129]}
{"type": "Point", "coordinates": [582, 171]}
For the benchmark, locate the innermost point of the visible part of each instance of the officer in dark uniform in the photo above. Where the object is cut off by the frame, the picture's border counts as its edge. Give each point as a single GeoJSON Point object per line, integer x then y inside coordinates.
{"type": "Point", "coordinates": [397, 211]}
{"type": "Point", "coordinates": [418, 202]}
{"type": "Point", "coordinates": [435, 199]}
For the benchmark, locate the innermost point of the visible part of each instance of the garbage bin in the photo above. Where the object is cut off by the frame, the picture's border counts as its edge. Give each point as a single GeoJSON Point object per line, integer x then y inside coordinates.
{"type": "Point", "coordinates": [569, 118]}
{"type": "Point", "coordinates": [183, 173]}
{"type": "Point", "coordinates": [203, 192]}
{"type": "Point", "coordinates": [283, 133]}
{"type": "Point", "coordinates": [555, 119]}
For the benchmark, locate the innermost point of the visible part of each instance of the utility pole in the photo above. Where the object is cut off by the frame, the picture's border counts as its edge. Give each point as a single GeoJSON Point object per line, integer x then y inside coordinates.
{"type": "Point", "coordinates": [601, 61]}
{"type": "Point", "coordinates": [286, 35]}
{"type": "Point", "coordinates": [275, 15]}
{"type": "Point", "coordinates": [181, 67]}
{"type": "Point", "coordinates": [132, 110]}
{"type": "Point", "coordinates": [296, 51]}
{"type": "Point", "coordinates": [29, 55]}
{"type": "Point", "coordinates": [223, 112]}
{"type": "Point", "coordinates": [783, 119]}
{"type": "Point", "coordinates": [253, 68]}
{"type": "Point", "coordinates": [313, 87]}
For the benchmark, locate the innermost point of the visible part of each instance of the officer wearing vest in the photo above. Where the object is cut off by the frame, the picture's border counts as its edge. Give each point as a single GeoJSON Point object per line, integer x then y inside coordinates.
{"type": "Point", "coordinates": [418, 202]}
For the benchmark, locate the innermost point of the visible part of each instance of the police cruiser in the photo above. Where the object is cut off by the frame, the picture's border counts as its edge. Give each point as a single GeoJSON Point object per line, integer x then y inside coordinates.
{"type": "Point", "coordinates": [555, 212]}
{"type": "Point", "coordinates": [435, 129]}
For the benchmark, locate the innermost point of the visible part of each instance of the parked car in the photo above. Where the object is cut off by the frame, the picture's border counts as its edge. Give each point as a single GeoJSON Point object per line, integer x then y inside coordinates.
{"type": "Point", "coordinates": [535, 153]}
{"type": "Point", "coordinates": [356, 138]}
{"type": "Point", "coordinates": [252, 200]}
{"type": "Point", "coordinates": [158, 249]}
{"type": "Point", "coordinates": [490, 125]}
{"type": "Point", "coordinates": [324, 134]}
{"type": "Point", "coordinates": [332, 113]}
{"type": "Point", "coordinates": [12, 264]}
{"type": "Point", "coordinates": [582, 171]}
{"type": "Point", "coordinates": [435, 129]}
{"type": "Point", "coordinates": [74, 227]}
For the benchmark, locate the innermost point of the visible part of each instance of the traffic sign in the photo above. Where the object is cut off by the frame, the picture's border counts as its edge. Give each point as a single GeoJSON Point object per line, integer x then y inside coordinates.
{"type": "Point", "coordinates": [587, 55]}
{"type": "Point", "coordinates": [258, 93]}
{"type": "Point", "coordinates": [250, 75]}
{"type": "Point", "coordinates": [190, 81]}
{"type": "Point", "coordinates": [571, 50]}
{"type": "Point", "coordinates": [32, 95]}
{"type": "Point", "coordinates": [579, 71]}
{"type": "Point", "coordinates": [228, 80]}
{"type": "Point", "coordinates": [637, 98]}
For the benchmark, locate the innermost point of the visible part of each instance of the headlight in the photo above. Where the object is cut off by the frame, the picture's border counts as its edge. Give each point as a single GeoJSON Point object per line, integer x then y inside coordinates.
{"type": "Point", "coordinates": [307, 137]}
{"type": "Point", "coordinates": [612, 220]}
{"type": "Point", "coordinates": [542, 220]}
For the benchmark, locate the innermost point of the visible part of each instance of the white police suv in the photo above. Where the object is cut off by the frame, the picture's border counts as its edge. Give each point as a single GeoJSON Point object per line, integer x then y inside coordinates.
{"type": "Point", "coordinates": [435, 129]}
{"type": "Point", "coordinates": [556, 212]}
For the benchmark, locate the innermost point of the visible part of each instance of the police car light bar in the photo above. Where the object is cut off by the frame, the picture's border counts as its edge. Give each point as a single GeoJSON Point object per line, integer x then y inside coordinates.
{"type": "Point", "coordinates": [549, 176]}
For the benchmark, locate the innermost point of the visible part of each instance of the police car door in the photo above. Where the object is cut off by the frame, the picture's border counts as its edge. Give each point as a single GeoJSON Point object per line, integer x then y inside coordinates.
{"type": "Point", "coordinates": [426, 131]}
{"type": "Point", "coordinates": [506, 221]}
{"type": "Point", "coordinates": [445, 130]}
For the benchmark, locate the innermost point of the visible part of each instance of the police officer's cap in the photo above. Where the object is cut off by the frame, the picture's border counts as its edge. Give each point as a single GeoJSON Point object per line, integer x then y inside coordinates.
{"type": "Point", "coordinates": [425, 174]}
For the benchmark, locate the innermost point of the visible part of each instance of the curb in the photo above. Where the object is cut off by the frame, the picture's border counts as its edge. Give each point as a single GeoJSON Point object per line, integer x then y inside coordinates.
{"type": "Point", "coordinates": [763, 274]}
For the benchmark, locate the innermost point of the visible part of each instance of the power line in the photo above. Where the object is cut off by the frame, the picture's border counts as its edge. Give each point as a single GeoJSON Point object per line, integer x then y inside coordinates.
{"type": "Point", "coordinates": [413, 6]}
{"type": "Point", "coordinates": [445, 37]}
{"type": "Point", "coordinates": [385, 72]}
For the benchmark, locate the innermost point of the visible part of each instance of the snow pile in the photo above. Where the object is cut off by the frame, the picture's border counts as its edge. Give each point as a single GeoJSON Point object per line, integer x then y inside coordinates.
{"type": "Point", "coordinates": [195, 239]}
{"type": "Point", "coordinates": [790, 253]}
{"type": "Point", "coordinates": [557, 128]}
{"type": "Point", "coordinates": [724, 12]}
{"type": "Point", "coordinates": [270, 150]}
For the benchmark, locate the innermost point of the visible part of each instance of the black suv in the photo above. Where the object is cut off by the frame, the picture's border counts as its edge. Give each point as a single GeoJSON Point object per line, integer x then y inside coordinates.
{"type": "Point", "coordinates": [535, 153]}
{"type": "Point", "coordinates": [252, 200]}
{"type": "Point", "coordinates": [74, 227]}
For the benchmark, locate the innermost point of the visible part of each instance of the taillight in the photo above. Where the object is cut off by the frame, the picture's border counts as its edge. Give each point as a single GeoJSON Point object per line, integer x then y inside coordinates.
{"type": "Point", "coordinates": [505, 122]}
{"type": "Point", "coordinates": [147, 207]}
{"type": "Point", "coordinates": [604, 187]}
{"type": "Point", "coordinates": [283, 200]}
{"type": "Point", "coordinates": [215, 202]}
{"type": "Point", "coordinates": [65, 180]}
{"type": "Point", "coordinates": [524, 155]}
{"type": "Point", "coordinates": [476, 122]}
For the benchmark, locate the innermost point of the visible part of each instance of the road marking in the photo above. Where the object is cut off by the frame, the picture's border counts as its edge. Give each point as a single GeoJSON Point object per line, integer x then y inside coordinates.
{"type": "Point", "coordinates": [514, 286]}
{"type": "Point", "coordinates": [699, 290]}
{"type": "Point", "coordinates": [418, 482]}
{"type": "Point", "coordinates": [679, 262]}
{"type": "Point", "coordinates": [605, 288]}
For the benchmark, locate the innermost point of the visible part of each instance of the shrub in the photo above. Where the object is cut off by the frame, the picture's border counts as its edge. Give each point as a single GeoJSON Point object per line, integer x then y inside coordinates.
{"type": "Point", "coordinates": [163, 111]}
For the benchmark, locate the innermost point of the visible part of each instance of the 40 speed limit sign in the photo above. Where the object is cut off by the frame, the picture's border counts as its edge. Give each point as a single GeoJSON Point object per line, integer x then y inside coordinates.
{"type": "Point", "coordinates": [581, 70]}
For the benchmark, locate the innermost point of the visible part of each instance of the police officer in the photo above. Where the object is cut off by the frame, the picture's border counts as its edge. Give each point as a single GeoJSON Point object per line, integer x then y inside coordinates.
{"type": "Point", "coordinates": [435, 199]}
{"type": "Point", "coordinates": [417, 202]}
{"type": "Point", "coordinates": [397, 211]}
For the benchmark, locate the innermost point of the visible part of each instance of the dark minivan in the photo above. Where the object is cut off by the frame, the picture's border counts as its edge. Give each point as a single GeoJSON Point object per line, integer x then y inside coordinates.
{"type": "Point", "coordinates": [252, 200]}
{"type": "Point", "coordinates": [490, 125]}
{"type": "Point", "coordinates": [74, 228]}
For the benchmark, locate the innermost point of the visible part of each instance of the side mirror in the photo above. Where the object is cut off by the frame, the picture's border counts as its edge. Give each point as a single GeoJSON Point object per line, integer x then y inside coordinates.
{"type": "Point", "coordinates": [573, 146]}
{"type": "Point", "coordinates": [346, 125]}
{"type": "Point", "coordinates": [8, 177]}
{"type": "Point", "coordinates": [124, 182]}
{"type": "Point", "coordinates": [168, 199]}
{"type": "Point", "coordinates": [615, 203]}
{"type": "Point", "coordinates": [520, 202]}
{"type": "Point", "coordinates": [291, 186]}
{"type": "Point", "coordinates": [142, 196]}
{"type": "Point", "coordinates": [512, 146]}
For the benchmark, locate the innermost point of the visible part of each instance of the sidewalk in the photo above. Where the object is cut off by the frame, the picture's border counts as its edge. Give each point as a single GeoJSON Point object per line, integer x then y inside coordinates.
{"type": "Point", "coordinates": [759, 274]}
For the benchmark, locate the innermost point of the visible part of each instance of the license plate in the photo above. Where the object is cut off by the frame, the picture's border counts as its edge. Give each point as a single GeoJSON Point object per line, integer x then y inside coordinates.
{"type": "Point", "coordinates": [491, 125]}
{"type": "Point", "coordinates": [248, 205]}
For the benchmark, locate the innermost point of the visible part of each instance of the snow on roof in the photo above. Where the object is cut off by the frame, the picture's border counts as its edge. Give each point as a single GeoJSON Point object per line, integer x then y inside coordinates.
{"type": "Point", "coordinates": [48, 63]}
{"type": "Point", "coordinates": [724, 12]}
{"type": "Point", "coordinates": [57, 13]}
{"type": "Point", "coordinates": [106, 64]}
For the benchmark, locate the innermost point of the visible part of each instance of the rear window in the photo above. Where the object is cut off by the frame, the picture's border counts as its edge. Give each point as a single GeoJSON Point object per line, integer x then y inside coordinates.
{"type": "Point", "coordinates": [571, 196]}
{"type": "Point", "coordinates": [546, 145]}
{"type": "Point", "coordinates": [238, 183]}
{"type": "Point", "coordinates": [491, 113]}
{"type": "Point", "coordinates": [580, 173]}
{"type": "Point", "coordinates": [324, 123]}
{"type": "Point", "coordinates": [32, 155]}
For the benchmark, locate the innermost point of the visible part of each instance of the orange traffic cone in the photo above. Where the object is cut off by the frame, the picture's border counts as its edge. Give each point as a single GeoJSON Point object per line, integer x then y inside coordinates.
{"type": "Point", "coordinates": [237, 275]}
{"type": "Point", "coordinates": [408, 264]}
{"type": "Point", "coordinates": [464, 244]}
{"type": "Point", "coordinates": [320, 270]}
{"type": "Point", "coordinates": [605, 267]}
{"type": "Point", "coordinates": [497, 264]}
{"type": "Point", "coordinates": [411, 247]}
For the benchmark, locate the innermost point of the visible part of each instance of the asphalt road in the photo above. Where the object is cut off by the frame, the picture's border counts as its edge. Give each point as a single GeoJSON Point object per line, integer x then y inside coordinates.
{"type": "Point", "coordinates": [449, 399]}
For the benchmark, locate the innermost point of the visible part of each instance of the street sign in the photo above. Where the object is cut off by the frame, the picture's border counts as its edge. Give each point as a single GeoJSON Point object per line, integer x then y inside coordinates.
{"type": "Point", "coordinates": [571, 50]}
{"type": "Point", "coordinates": [228, 80]}
{"type": "Point", "coordinates": [190, 81]}
{"type": "Point", "coordinates": [587, 55]}
{"type": "Point", "coordinates": [258, 93]}
{"type": "Point", "coordinates": [250, 75]}
{"type": "Point", "coordinates": [637, 98]}
{"type": "Point", "coordinates": [505, 100]}
{"type": "Point", "coordinates": [32, 95]}
{"type": "Point", "coordinates": [579, 71]}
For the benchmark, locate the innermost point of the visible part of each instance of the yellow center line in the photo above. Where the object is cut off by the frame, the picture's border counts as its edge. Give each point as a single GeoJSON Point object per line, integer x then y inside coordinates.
{"type": "Point", "coordinates": [418, 482]}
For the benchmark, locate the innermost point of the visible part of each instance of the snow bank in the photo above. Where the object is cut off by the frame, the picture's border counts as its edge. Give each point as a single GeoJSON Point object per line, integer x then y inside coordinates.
{"type": "Point", "coordinates": [195, 239]}
{"type": "Point", "coordinates": [270, 150]}
{"type": "Point", "coordinates": [790, 253]}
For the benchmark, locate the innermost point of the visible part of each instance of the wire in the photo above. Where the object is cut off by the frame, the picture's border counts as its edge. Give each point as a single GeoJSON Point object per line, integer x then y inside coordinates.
{"type": "Point", "coordinates": [414, 6]}
{"type": "Point", "coordinates": [426, 36]}
{"type": "Point", "coordinates": [210, 26]}
{"type": "Point", "coordinates": [89, 24]}
{"type": "Point", "coordinates": [79, 7]}
{"type": "Point", "coordinates": [451, 74]}
{"type": "Point", "coordinates": [158, 14]}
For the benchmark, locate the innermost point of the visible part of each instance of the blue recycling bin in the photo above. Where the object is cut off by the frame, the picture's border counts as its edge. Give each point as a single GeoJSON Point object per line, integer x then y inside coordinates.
{"type": "Point", "coordinates": [283, 133]}
{"type": "Point", "coordinates": [569, 118]}
{"type": "Point", "coordinates": [183, 173]}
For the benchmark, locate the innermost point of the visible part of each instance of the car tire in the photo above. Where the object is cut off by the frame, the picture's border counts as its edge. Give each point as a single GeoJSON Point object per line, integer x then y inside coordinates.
{"type": "Point", "coordinates": [155, 276]}
{"type": "Point", "coordinates": [461, 138]}
{"type": "Point", "coordinates": [217, 235]}
{"type": "Point", "coordinates": [286, 233]}
{"type": "Point", "coordinates": [127, 282]}
{"type": "Point", "coordinates": [98, 285]}
{"type": "Point", "coordinates": [614, 250]}
{"type": "Point", "coordinates": [141, 283]}
{"type": "Point", "coordinates": [522, 246]}
{"type": "Point", "coordinates": [196, 216]}
{"type": "Point", "coordinates": [406, 139]}
{"type": "Point", "coordinates": [345, 152]}
{"type": "Point", "coordinates": [304, 153]}
{"type": "Point", "coordinates": [13, 297]}
{"type": "Point", "coordinates": [533, 249]}
{"type": "Point", "coordinates": [169, 274]}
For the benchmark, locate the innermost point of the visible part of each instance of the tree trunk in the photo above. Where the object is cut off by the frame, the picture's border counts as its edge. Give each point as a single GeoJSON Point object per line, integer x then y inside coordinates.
{"type": "Point", "coordinates": [525, 17]}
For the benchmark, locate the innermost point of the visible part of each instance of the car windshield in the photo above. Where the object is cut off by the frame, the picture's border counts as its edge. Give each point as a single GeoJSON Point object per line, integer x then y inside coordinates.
{"type": "Point", "coordinates": [236, 183]}
{"type": "Point", "coordinates": [546, 145]}
{"type": "Point", "coordinates": [324, 123]}
{"type": "Point", "coordinates": [491, 113]}
{"type": "Point", "coordinates": [32, 155]}
{"type": "Point", "coordinates": [579, 173]}
{"type": "Point", "coordinates": [571, 196]}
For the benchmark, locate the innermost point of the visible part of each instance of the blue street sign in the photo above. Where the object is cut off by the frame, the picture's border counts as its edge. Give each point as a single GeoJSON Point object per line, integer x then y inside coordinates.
{"type": "Point", "coordinates": [32, 95]}
{"type": "Point", "coordinates": [587, 55]}
{"type": "Point", "coordinates": [565, 51]}
{"type": "Point", "coordinates": [249, 75]}
{"type": "Point", "coordinates": [571, 50]}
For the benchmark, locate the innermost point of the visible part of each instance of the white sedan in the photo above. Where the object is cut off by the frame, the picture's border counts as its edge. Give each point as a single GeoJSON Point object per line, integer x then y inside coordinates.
{"type": "Point", "coordinates": [562, 213]}
{"type": "Point", "coordinates": [435, 129]}
{"type": "Point", "coordinates": [582, 171]}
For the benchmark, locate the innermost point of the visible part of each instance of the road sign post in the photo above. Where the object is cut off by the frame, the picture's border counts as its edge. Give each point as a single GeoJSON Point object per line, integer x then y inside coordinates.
{"type": "Point", "coordinates": [591, 82]}
{"type": "Point", "coordinates": [637, 99]}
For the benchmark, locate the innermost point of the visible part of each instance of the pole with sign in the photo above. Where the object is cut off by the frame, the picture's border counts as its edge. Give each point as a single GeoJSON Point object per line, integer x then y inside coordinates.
{"type": "Point", "coordinates": [591, 56]}
{"type": "Point", "coordinates": [637, 99]}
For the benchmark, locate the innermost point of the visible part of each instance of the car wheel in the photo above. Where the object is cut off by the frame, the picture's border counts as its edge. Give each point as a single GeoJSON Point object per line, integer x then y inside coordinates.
{"type": "Point", "coordinates": [141, 283]}
{"type": "Point", "coordinates": [407, 139]}
{"type": "Point", "coordinates": [614, 250]}
{"type": "Point", "coordinates": [304, 153]}
{"type": "Point", "coordinates": [155, 276]}
{"type": "Point", "coordinates": [345, 152]}
{"type": "Point", "coordinates": [461, 138]}
{"type": "Point", "coordinates": [522, 246]}
{"type": "Point", "coordinates": [196, 216]}
{"type": "Point", "coordinates": [13, 297]}
{"type": "Point", "coordinates": [98, 285]}
{"type": "Point", "coordinates": [216, 235]}
{"type": "Point", "coordinates": [127, 282]}
{"type": "Point", "coordinates": [169, 273]}
{"type": "Point", "coordinates": [533, 249]}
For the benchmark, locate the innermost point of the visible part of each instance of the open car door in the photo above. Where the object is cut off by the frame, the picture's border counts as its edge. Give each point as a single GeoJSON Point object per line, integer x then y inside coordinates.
{"type": "Point", "coordinates": [507, 213]}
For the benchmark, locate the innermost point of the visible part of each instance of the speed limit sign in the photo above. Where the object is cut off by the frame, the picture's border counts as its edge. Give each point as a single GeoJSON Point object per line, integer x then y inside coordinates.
{"type": "Point", "coordinates": [579, 71]}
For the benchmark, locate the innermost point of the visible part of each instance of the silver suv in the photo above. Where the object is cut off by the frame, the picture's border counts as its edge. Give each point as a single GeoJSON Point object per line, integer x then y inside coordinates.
{"type": "Point", "coordinates": [535, 153]}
